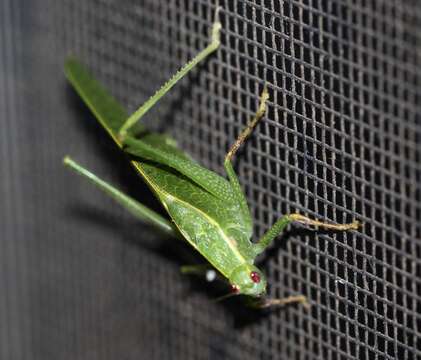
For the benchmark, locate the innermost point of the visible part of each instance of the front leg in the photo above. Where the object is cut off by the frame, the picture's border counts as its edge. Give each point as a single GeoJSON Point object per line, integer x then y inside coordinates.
{"type": "Point", "coordinates": [284, 221]}
{"type": "Point", "coordinates": [206, 271]}
{"type": "Point", "coordinates": [269, 303]}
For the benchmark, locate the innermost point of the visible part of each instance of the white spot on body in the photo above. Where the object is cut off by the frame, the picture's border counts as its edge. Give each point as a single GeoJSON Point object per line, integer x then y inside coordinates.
{"type": "Point", "coordinates": [210, 275]}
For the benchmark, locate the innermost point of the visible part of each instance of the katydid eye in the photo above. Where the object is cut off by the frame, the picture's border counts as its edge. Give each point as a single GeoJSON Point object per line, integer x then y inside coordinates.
{"type": "Point", "coordinates": [255, 277]}
{"type": "Point", "coordinates": [234, 288]}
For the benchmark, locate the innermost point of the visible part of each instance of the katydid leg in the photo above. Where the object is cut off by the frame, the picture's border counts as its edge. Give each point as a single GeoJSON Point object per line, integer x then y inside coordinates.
{"type": "Point", "coordinates": [284, 221]}
{"type": "Point", "coordinates": [295, 299]}
{"type": "Point", "coordinates": [250, 127]}
{"type": "Point", "coordinates": [232, 176]}
{"type": "Point", "coordinates": [205, 270]}
{"type": "Point", "coordinates": [137, 115]}
{"type": "Point", "coordinates": [137, 209]}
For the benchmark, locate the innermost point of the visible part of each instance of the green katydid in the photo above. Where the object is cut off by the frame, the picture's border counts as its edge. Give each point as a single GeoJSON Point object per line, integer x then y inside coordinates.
{"type": "Point", "coordinates": [207, 210]}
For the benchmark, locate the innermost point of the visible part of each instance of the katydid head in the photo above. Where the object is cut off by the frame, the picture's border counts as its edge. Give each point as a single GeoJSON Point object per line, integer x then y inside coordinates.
{"type": "Point", "coordinates": [247, 279]}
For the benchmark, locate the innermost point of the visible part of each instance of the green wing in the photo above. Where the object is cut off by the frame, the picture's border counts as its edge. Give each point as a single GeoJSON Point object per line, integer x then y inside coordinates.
{"type": "Point", "coordinates": [167, 170]}
{"type": "Point", "coordinates": [107, 110]}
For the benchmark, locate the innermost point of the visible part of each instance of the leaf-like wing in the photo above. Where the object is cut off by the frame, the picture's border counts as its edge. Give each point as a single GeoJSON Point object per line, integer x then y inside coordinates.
{"type": "Point", "coordinates": [107, 110]}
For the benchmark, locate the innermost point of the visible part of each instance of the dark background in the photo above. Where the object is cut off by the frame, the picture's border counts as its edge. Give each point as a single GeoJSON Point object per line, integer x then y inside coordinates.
{"type": "Point", "coordinates": [82, 279]}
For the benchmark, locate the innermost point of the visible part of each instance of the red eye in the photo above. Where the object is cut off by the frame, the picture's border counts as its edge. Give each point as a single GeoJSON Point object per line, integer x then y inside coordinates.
{"type": "Point", "coordinates": [255, 277]}
{"type": "Point", "coordinates": [235, 289]}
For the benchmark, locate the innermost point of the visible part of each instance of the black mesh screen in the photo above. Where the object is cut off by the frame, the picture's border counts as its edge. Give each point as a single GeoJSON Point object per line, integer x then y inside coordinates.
{"type": "Point", "coordinates": [81, 279]}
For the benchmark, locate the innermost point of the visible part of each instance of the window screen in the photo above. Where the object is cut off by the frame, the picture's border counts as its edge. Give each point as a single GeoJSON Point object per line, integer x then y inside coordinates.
{"type": "Point", "coordinates": [82, 279]}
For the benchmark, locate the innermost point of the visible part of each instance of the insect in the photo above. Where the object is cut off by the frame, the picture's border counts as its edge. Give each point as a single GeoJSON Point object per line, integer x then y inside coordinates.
{"type": "Point", "coordinates": [207, 210]}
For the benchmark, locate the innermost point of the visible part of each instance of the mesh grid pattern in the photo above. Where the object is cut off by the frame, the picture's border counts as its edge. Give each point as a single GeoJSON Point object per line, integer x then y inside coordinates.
{"type": "Point", "coordinates": [340, 141]}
